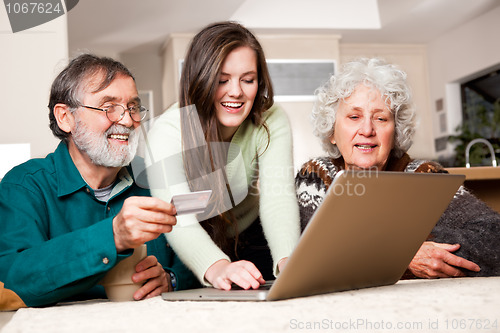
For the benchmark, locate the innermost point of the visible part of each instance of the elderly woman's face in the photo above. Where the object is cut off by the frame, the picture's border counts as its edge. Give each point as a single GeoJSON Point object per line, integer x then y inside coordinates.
{"type": "Point", "coordinates": [364, 129]}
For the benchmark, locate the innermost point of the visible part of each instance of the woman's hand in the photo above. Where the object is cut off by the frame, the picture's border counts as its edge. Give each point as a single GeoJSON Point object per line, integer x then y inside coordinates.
{"type": "Point", "coordinates": [157, 280]}
{"type": "Point", "coordinates": [244, 273]}
{"type": "Point", "coordinates": [282, 264]}
{"type": "Point", "coordinates": [435, 260]}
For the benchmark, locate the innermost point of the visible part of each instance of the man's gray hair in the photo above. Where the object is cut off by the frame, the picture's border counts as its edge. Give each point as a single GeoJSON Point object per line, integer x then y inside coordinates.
{"type": "Point", "coordinates": [69, 84]}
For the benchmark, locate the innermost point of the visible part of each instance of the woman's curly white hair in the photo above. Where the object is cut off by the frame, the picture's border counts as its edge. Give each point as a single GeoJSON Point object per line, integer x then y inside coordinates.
{"type": "Point", "coordinates": [376, 73]}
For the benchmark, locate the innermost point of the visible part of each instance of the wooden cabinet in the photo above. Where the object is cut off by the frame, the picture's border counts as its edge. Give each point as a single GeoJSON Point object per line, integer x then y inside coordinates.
{"type": "Point", "coordinates": [484, 182]}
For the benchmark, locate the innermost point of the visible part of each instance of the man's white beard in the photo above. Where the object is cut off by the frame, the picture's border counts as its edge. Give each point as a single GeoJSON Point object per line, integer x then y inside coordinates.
{"type": "Point", "coordinates": [98, 148]}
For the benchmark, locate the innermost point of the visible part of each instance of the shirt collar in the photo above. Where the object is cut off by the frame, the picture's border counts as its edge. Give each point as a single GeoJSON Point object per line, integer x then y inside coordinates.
{"type": "Point", "coordinates": [69, 179]}
{"type": "Point", "coordinates": [125, 180]}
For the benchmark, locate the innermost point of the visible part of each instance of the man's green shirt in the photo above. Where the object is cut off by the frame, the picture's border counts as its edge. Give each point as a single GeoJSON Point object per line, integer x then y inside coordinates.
{"type": "Point", "coordinates": [56, 238]}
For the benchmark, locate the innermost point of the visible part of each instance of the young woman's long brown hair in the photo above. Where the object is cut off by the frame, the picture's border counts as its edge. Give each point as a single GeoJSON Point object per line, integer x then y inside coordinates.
{"type": "Point", "coordinates": [198, 85]}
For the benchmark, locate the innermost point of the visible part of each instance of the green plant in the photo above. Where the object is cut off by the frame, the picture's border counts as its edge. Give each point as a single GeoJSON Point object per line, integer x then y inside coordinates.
{"type": "Point", "coordinates": [479, 123]}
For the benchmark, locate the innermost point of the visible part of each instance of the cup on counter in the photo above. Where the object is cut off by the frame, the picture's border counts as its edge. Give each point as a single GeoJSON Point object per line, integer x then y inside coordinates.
{"type": "Point", "coordinates": [118, 282]}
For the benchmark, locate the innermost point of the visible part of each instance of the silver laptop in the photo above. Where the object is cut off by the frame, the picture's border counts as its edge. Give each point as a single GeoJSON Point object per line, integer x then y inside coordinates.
{"type": "Point", "coordinates": [364, 234]}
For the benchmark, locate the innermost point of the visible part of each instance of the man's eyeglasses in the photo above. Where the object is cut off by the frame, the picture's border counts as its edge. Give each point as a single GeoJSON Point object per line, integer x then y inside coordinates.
{"type": "Point", "coordinates": [116, 112]}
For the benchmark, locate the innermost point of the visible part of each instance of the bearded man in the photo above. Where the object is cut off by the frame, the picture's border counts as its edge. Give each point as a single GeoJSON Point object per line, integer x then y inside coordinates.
{"type": "Point", "coordinates": [69, 218]}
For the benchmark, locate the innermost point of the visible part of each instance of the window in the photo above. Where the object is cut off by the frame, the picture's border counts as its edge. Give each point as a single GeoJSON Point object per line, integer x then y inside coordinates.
{"type": "Point", "coordinates": [481, 118]}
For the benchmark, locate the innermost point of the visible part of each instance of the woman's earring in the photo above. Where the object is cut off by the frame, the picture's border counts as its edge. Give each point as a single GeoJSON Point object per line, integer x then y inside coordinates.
{"type": "Point", "coordinates": [332, 140]}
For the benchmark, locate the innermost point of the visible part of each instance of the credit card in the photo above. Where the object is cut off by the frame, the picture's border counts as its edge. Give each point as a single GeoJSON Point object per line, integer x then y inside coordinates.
{"type": "Point", "coordinates": [191, 203]}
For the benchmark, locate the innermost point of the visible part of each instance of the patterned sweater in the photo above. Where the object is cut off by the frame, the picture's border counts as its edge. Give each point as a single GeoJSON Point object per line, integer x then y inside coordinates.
{"type": "Point", "coordinates": [467, 220]}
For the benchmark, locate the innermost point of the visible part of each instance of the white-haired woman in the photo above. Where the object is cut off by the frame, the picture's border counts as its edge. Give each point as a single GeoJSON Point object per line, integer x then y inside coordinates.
{"type": "Point", "coordinates": [365, 119]}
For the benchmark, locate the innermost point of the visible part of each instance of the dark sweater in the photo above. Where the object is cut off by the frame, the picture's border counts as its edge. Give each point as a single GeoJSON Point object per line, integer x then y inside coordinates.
{"type": "Point", "coordinates": [467, 221]}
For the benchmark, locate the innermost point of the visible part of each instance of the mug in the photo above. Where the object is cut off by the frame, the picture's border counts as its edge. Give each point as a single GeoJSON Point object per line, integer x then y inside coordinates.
{"type": "Point", "coordinates": [118, 282]}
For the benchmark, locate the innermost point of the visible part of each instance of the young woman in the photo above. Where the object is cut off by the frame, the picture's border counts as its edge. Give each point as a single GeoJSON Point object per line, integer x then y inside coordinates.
{"type": "Point", "coordinates": [226, 135]}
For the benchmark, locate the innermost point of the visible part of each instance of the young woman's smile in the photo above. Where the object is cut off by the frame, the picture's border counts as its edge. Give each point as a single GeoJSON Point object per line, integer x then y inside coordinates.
{"type": "Point", "coordinates": [238, 85]}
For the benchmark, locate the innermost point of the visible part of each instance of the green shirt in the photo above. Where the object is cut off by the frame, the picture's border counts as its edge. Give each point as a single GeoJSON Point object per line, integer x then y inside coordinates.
{"type": "Point", "coordinates": [56, 238]}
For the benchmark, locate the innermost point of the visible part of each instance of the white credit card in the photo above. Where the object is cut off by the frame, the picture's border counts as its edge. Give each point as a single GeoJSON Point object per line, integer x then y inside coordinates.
{"type": "Point", "coordinates": [191, 203]}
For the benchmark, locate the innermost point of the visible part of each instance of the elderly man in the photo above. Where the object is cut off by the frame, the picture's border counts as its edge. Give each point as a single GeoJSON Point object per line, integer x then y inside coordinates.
{"type": "Point", "coordinates": [69, 218]}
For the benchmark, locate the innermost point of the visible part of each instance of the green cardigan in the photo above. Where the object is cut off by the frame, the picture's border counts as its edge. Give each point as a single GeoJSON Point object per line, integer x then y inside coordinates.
{"type": "Point", "coordinates": [262, 177]}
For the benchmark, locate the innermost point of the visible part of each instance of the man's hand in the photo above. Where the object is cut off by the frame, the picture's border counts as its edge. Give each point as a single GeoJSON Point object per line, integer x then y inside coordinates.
{"type": "Point", "coordinates": [435, 260]}
{"type": "Point", "coordinates": [244, 273]}
{"type": "Point", "coordinates": [157, 280]}
{"type": "Point", "coordinates": [140, 220]}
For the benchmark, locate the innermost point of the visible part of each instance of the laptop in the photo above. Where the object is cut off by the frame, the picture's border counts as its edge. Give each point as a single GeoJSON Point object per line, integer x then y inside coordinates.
{"type": "Point", "coordinates": [364, 234]}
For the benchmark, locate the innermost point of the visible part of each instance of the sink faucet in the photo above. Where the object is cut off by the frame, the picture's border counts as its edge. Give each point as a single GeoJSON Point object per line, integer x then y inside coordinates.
{"type": "Point", "coordinates": [487, 143]}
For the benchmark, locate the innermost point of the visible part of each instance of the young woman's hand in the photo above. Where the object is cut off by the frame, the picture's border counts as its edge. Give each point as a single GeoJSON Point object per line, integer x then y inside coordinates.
{"type": "Point", "coordinates": [243, 273]}
{"type": "Point", "coordinates": [281, 264]}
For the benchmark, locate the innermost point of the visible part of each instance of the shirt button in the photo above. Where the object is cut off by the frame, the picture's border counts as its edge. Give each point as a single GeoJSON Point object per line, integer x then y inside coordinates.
{"type": "Point", "coordinates": [109, 208]}
{"type": "Point", "coordinates": [105, 261]}
{"type": "Point", "coordinates": [87, 189]}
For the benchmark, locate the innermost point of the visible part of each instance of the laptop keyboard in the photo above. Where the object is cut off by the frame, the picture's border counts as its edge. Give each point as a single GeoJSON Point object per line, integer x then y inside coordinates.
{"type": "Point", "coordinates": [266, 286]}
